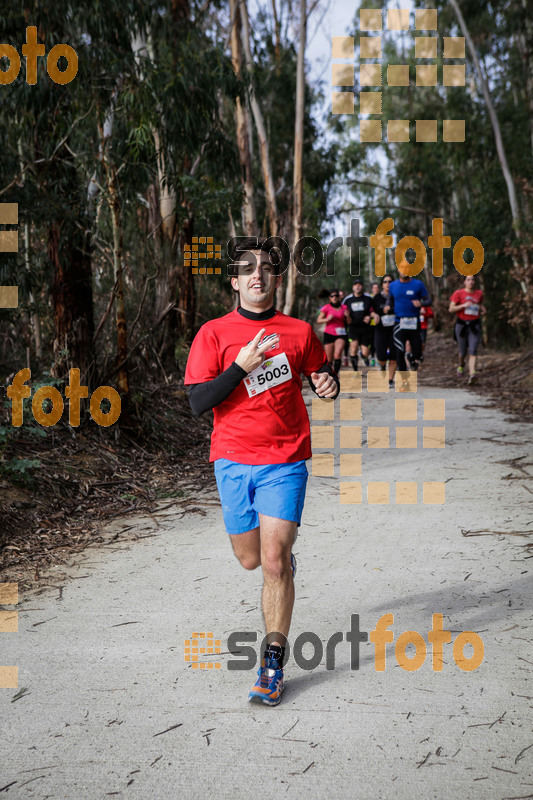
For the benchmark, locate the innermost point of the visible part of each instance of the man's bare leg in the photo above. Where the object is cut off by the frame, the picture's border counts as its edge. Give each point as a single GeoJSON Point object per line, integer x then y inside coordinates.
{"type": "Point", "coordinates": [247, 548]}
{"type": "Point", "coordinates": [277, 538]}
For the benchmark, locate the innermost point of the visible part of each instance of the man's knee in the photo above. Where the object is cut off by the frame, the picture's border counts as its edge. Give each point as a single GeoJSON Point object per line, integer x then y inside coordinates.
{"type": "Point", "coordinates": [249, 560]}
{"type": "Point", "coordinates": [276, 564]}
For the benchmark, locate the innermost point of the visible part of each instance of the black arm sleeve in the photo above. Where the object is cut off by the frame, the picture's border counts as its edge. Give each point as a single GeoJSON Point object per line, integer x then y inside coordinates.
{"type": "Point", "coordinates": [203, 396]}
{"type": "Point", "coordinates": [326, 368]}
{"type": "Point", "coordinates": [426, 301]}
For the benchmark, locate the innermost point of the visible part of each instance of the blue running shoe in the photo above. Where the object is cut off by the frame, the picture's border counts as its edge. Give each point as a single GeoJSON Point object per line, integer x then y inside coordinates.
{"type": "Point", "coordinates": [293, 564]}
{"type": "Point", "coordinates": [269, 684]}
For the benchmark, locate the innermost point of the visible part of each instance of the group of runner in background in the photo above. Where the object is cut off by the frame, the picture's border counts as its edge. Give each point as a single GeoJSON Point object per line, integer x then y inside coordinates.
{"type": "Point", "coordinates": [389, 325]}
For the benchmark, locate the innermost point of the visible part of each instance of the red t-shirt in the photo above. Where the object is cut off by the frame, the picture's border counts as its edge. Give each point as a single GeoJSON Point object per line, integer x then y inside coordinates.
{"type": "Point", "coordinates": [426, 312]}
{"type": "Point", "coordinates": [264, 420]}
{"type": "Point", "coordinates": [337, 326]}
{"type": "Point", "coordinates": [471, 312]}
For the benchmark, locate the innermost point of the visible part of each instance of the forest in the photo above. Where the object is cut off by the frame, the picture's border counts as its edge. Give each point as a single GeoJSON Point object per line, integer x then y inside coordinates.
{"type": "Point", "coordinates": [188, 123]}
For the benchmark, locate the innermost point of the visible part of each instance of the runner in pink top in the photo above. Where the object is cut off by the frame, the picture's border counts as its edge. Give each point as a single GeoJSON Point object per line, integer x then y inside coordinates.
{"type": "Point", "coordinates": [333, 314]}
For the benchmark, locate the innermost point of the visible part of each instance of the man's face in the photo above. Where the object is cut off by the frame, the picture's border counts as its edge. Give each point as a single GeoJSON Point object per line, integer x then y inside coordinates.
{"type": "Point", "coordinates": [357, 289]}
{"type": "Point", "coordinates": [404, 265]}
{"type": "Point", "coordinates": [257, 281]}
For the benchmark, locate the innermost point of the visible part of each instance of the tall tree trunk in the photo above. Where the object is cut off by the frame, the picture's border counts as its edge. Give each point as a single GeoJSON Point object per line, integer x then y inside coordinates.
{"type": "Point", "coordinates": [298, 159]}
{"type": "Point", "coordinates": [118, 264]}
{"type": "Point", "coordinates": [249, 218]}
{"type": "Point", "coordinates": [34, 317]}
{"type": "Point", "coordinates": [69, 253]}
{"type": "Point", "coordinates": [277, 29]}
{"type": "Point", "coordinates": [72, 296]}
{"type": "Point", "coordinates": [260, 127]}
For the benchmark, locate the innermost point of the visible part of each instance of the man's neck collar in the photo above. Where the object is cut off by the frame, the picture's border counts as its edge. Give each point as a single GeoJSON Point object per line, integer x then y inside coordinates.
{"type": "Point", "coordinates": [259, 316]}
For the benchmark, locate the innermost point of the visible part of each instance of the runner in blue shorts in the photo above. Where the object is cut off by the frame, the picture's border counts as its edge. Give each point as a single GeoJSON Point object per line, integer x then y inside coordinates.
{"type": "Point", "coordinates": [246, 366]}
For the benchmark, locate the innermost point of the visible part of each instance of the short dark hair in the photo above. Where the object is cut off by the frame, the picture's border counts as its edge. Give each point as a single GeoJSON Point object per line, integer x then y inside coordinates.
{"type": "Point", "coordinates": [246, 245]}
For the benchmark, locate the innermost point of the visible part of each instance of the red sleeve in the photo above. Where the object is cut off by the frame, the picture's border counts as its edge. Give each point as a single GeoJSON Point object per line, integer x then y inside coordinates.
{"type": "Point", "coordinates": [203, 362]}
{"type": "Point", "coordinates": [315, 355]}
{"type": "Point", "coordinates": [456, 297]}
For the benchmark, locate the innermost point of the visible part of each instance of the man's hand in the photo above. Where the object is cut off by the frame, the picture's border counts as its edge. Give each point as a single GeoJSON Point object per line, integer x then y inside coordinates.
{"type": "Point", "coordinates": [253, 355]}
{"type": "Point", "coordinates": [366, 319]}
{"type": "Point", "coordinates": [325, 384]}
{"type": "Point", "coordinates": [416, 303]}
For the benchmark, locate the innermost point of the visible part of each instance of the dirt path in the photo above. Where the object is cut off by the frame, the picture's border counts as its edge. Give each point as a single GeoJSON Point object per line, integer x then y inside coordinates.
{"type": "Point", "coordinates": [113, 709]}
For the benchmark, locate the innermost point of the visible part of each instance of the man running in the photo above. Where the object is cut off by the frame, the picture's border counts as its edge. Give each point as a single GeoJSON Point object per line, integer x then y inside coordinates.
{"type": "Point", "coordinates": [384, 320]}
{"type": "Point", "coordinates": [246, 365]}
{"type": "Point", "coordinates": [407, 295]}
{"type": "Point", "coordinates": [467, 303]}
{"type": "Point", "coordinates": [359, 331]}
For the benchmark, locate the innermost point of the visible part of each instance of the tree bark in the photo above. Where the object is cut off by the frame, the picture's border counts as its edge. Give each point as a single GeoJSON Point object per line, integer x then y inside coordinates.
{"type": "Point", "coordinates": [118, 264]}
{"type": "Point", "coordinates": [249, 217]}
{"type": "Point", "coordinates": [290, 293]}
{"type": "Point", "coordinates": [266, 166]}
{"type": "Point", "coordinates": [73, 303]}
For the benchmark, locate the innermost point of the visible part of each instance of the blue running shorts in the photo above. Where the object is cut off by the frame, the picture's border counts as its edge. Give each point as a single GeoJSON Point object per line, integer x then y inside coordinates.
{"type": "Point", "coordinates": [276, 490]}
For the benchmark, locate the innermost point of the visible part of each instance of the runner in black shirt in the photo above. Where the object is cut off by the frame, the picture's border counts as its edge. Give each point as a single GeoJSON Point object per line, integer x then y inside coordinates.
{"type": "Point", "coordinates": [383, 336]}
{"type": "Point", "coordinates": [359, 306]}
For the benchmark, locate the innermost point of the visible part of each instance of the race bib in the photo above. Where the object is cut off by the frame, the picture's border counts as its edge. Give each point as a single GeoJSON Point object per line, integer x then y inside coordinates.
{"type": "Point", "coordinates": [358, 306]}
{"type": "Point", "coordinates": [340, 331]}
{"type": "Point", "coordinates": [270, 373]}
{"type": "Point", "coordinates": [408, 323]}
{"type": "Point", "coordinates": [387, 320]}
{"type": "Point", "coordinates": [472, 310]}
